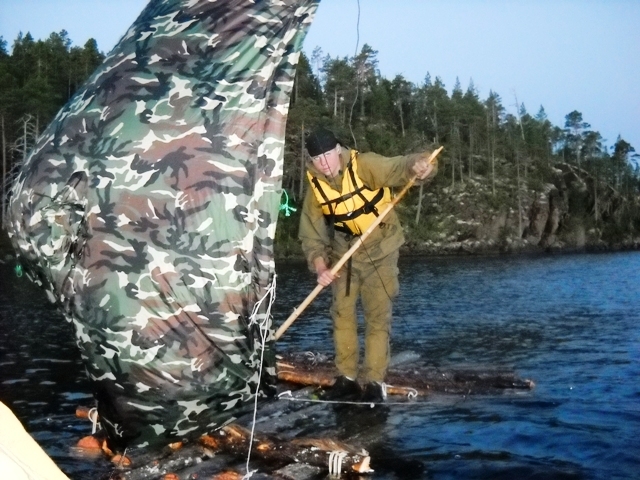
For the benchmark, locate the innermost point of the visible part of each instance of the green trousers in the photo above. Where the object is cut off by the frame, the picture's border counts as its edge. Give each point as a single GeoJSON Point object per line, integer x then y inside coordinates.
{"type": "Point", "coordinates": [376, 285]}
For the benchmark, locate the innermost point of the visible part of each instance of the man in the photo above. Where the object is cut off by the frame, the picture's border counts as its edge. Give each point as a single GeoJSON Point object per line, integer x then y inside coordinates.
{"type": "Point", "coordinates": [348, 190]}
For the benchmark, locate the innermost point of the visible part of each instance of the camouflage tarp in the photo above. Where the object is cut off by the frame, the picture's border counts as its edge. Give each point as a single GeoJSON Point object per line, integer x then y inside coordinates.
{"type": "Point", "coordinates": [148, 210]}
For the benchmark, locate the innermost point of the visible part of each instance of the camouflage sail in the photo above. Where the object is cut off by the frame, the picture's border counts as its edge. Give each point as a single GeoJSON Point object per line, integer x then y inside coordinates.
{"type": "Point", "coordinates": [148, 211]}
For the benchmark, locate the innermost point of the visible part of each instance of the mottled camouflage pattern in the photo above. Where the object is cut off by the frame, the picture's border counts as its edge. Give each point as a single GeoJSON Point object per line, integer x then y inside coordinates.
{"type": "Point", "coordinates": [148, 210]}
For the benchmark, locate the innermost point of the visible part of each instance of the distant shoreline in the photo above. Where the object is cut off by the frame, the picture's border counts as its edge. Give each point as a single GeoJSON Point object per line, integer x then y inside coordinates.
{"type": "Point", "coordinates": [455, 251]}
{"type": "Point", "coordinates": [7, 253]}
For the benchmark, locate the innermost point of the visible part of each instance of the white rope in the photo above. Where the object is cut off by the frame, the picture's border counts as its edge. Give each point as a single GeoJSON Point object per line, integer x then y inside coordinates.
{"type": "Point", "coordinates": [335, 462]}
{"type": "Point", "coordinates": [264, 332]}
{"type": "Point", "coordinates": [119, 465]}
{"type": "Point", "coordinates": [93, 416]}
{"type": "Point", "coordinates": [314, 358]}
{"type": "Point", "coordinates": [412, 393]}
{"type": "Point", "coordinates": [288, 396]}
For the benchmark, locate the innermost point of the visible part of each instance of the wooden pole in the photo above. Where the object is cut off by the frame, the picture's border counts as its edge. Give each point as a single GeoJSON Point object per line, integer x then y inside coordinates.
{"type": "Point", "coordinates": [314, 293]}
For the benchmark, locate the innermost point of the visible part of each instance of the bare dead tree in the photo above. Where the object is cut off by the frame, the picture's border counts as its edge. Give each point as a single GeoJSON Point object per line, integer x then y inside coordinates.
{"type": "Point", "coordinates": [4, 165]}
{"type": "Point", "coordinates": [19, 149]}
{"type": "Point", "coordinates": [518, 168]}
{"type": "Point", "coordinates": [302, 163]}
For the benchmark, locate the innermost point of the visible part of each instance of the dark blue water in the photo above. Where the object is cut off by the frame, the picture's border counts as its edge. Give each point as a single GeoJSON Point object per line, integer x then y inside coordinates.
{"type": "Point", "coordinates": [571, 323]}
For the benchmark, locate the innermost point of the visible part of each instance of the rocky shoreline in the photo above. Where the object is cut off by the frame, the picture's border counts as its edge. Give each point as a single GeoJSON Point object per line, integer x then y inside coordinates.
{"type": "Point", "coordinates": [488, 248]}
{"type": "Point", "coordinates": [521, 247]}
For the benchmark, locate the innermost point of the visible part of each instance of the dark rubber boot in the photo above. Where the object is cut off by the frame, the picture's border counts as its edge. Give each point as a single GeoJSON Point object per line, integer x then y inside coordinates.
{"type": "Point", "coordinates": [374, 392]}
{"type": "Point", "coordinates": [343, 389]}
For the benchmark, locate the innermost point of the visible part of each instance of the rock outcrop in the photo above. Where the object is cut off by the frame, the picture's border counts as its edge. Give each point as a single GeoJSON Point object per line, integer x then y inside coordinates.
{"type": "Point", "coordinates": [572, 212]}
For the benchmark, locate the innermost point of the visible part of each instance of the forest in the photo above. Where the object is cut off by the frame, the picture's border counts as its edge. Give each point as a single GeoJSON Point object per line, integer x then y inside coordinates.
{"type": "Point", "coordinates": [37, 78]}
{"type": "Point", "coordinates": [506, 182]}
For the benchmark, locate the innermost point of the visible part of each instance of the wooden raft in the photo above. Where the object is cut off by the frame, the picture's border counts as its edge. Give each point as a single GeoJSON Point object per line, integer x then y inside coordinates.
{"type": "Point", "coordinates": [415, 379]}
{"type": "Point", "coordinates": [215, 456]}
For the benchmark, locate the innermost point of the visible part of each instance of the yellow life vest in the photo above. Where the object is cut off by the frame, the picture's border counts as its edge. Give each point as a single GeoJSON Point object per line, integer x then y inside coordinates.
{"type": "Point", "coordinates": [353, 209]}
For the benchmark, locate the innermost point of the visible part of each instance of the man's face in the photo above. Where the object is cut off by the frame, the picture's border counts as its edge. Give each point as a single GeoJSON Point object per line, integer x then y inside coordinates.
{"type": "Point", "coordinates": [328, 163]}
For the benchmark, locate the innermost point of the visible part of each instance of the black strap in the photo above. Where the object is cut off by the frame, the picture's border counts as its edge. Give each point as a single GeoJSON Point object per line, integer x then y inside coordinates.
{"type": "Point", "coordinates": [337, 222]}
{"type": "Point", "coordinates": [316, 182]}
{"type": "Point", "coordinates": [331, 218]}
{"type": "Point", "coordinates": [346, 196]}
{"type": "Point", "coordinates": [369, 206]}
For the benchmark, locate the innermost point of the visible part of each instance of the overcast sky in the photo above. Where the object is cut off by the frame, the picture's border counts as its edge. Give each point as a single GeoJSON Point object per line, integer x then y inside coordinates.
{"type": "Point", "coordinates": [562, 54]}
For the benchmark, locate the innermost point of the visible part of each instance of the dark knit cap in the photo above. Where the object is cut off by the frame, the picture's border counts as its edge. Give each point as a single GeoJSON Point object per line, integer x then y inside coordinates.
{"type": "Point", "coordinates": [320, 141]}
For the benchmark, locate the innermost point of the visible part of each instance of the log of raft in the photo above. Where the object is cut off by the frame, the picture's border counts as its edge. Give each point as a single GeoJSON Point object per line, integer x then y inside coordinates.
{"type": "Point", "coordinates": [236, 441]}
{"type": "Point", "coordinates": [411, 380]}
{"type": "Point", "coordinates": [312, 451]}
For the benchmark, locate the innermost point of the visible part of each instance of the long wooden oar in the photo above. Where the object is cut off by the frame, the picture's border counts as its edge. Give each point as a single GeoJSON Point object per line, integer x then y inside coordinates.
{"type": "Point", "coordinates": [300, 308]}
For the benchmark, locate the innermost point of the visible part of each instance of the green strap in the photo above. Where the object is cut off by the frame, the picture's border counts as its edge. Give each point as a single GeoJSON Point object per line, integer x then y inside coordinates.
{"type": "Point", "coordinates": [18, 270]}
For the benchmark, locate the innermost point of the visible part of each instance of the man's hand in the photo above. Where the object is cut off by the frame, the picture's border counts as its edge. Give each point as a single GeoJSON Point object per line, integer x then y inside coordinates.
{"type": "Point", "coordinates": [422, 168]}
{"type": "Point", "coordinates": [325, 277]}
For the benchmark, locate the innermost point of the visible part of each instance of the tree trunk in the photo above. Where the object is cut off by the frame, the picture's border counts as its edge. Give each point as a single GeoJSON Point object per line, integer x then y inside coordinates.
{"type": "Point", "coordinates": [25, 124]}
{"type": "Point", "coordinates": [519, 197]}
{"type": "Point", "coordinates": [419, 209]}
{"type": "Point", "coordinates": [302, 163]}
{"type": "Point", "coordinates": [578, 150]}
{"type": "Point", "coordinates": [4, 169]}
{"type": "Point", "coordinates": [434, 120]}
{"type": "Point", "coordinates": [458, 142]}
{"type": "Point", "coordinates": [595, 198]}
{"type": "Point", "coordinates": [470, 151]}
{"type": "Point", "coordinates": [493, 149]}
{"type": "Point", "coordinates": [399, 103]}
{"type": "Point", "coordinates": [460, 162]}
{"type": "Point", "coordinates": [493, 166]}
{"type": "Point", "coordinates": [518, 169]}
{"type": "Point", "coordinates": [420, 193]}
{"type": "Point", "coordinates": [453, 170]}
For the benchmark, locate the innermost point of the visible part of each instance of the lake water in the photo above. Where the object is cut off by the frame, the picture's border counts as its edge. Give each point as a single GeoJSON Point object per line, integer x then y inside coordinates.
{"type": "Point", "coordinates": [571, 323]}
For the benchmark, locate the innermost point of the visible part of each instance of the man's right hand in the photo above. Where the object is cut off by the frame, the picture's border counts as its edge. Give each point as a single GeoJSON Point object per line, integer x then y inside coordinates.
{"type": "Point", "coordinates": [325, 277]}
{"type": "Point", "coordinates": [422, 168]}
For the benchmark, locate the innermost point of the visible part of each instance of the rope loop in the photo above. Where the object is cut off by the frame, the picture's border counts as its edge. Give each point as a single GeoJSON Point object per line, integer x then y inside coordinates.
{"type": "Point", "coordinates": [413, 394]}
{"type": "Point", "coordinates": [286, 206]}
{"type": "Point", "coordinates": [335, 462]}
{"type": "Point", "coordinates": [264, 323]}
{"type": "Point", "coordinates": [93, 416]}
